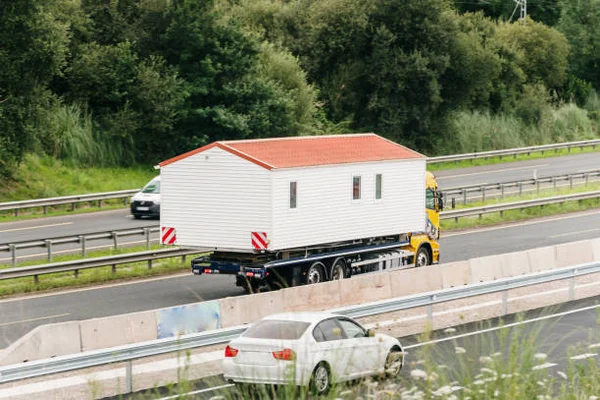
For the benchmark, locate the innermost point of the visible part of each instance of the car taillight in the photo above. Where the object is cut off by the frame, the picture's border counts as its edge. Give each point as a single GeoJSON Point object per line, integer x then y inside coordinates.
{"type": "Point", "coordinates": [230, 351]}
{"type": "Point", "coordinates": [285, 354]}
{"type": "Point", "coordinates": [207, 270]}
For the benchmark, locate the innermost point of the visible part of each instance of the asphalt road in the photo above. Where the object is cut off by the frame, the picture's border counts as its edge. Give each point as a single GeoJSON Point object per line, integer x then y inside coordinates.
{"type": "Point", "coordinates": [518, 170]}
{"type": "Point", "coordinates": [18, 316]}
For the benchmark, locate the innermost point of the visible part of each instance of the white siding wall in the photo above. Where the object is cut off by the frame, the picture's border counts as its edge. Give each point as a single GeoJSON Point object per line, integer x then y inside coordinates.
{"type": "Point", "coordinates": [215, 199]}
{"type": "Point", "coordinates": [326, 211]}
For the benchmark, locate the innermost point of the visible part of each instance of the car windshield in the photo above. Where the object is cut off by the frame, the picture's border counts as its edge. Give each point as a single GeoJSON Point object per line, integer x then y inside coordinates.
{"type": "Point", "coordinates": [276, 329]}
{"type": "Point", "coordinates": [152, 187]}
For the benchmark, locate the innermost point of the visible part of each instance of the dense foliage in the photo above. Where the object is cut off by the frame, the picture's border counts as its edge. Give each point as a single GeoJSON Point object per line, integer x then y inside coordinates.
{"type": "Point", "coordinates": [119, 82]}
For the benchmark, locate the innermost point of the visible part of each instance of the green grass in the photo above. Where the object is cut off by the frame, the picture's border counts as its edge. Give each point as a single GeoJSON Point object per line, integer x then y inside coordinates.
{"type": "Point", "coordinates": [42, 177]}
{"type": "Point", "coordinates": [92, 276]}
{"type": "Point", "coordinates": [507, 159]}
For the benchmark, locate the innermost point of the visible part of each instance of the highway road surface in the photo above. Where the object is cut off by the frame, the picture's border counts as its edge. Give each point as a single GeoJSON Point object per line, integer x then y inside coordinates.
{"type": "Point", "coordinates": [20, 315]}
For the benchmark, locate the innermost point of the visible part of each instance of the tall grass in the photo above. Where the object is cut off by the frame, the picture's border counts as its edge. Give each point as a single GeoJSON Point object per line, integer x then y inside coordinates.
{"type": "Point", "coordinates": [473, 131]}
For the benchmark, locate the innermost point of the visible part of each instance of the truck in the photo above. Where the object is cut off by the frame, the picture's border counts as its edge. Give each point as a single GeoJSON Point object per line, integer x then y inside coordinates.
{"type": "Point", "coordinates": [289, 211]}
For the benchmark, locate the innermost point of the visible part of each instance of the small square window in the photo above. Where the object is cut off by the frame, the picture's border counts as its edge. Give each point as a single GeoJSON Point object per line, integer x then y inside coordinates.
{"type": "Point", "coordinates": [378, 186]}
{"type": "Point", "coordinates": [293, 194]}
{"type": "Point", "coordinates": [356, 187]}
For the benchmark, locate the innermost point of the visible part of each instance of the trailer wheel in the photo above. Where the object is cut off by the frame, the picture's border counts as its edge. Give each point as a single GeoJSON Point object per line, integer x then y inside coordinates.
{"type": "Point", "coordinates": [338, 270]}
{"type": "Point", "coordinates": [422, 258]}
{"type": "Point", "coordinates": [316, 273]}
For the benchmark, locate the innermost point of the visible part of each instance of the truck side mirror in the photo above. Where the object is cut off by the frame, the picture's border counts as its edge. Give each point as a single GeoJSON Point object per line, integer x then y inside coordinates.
{"type": "Point", "coordinates": [440, 201]}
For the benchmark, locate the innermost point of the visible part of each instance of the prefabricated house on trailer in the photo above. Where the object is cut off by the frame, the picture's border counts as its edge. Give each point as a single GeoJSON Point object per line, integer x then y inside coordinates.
{"type": "Point", "coordinates": [301, 209]}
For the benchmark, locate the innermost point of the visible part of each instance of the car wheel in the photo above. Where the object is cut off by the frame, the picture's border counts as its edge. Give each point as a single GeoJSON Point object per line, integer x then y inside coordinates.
{"type": "Point", "coordinates": [320, 382]}
{"type": "Point", "coordinates": [422, 258]}
{"type": "Point", "coordinates": [393, 363]}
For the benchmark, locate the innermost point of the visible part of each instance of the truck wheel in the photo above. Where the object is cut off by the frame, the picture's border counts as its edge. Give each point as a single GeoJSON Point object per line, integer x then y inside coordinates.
{"type": "Point", "coordinates": [338, 270]}
{"type": "Point", "coordinates": [316, 273]}
{"type": "Point", "coordinates": [422, 258]}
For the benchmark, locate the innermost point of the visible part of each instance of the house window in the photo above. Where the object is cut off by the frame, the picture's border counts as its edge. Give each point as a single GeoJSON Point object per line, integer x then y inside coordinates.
{"type": "Point", "coordinates": [293, 194]}
{"type": "Point", "coordinates": [378, 182]}
{"type": "Point", "coordinates": [356, 187]}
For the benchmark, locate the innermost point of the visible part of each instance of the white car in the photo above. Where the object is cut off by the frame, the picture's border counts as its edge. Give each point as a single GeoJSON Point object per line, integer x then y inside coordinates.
{"type": "Point", "coordinates": [146, 202]}
{"type": "Point", "coordinates": [315, 349]}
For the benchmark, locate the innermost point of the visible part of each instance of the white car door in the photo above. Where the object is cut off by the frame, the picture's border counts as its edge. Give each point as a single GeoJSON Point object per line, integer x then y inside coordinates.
{"type": "Point", "coordinates": [332, 348]}
{"type": "Point", "coordinates": [363, 350]}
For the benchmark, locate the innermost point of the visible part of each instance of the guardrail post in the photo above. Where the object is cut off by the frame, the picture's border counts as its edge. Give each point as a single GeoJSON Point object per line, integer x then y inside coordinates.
{"type": "Point", "coordinates": [483, 193]}
{"type": "Point", "coordinates": [83, 247]}
{"type": "Point", "coordinates": [430, 309]}
{"type": "Point", "coordinates": [13, 254]}
{"type": "Point", "coordinates": [16, 212]}
{"type": "Point", "coordinates": [99, 203]}
{"type": "Point", "coordinates": [571, 181]}
{"type": "Point", "coordinates": [125, 200]}
{"type": "Point", "coordinates": [149, 264]}
{"type": "Point", "coordinates": [572, 286]}
{"type": "Point", "coordinates": [505, 302]}
{"type": "Point", "coordinates": [36, 279]}
{"type": "Point", "coordinates": [45, 208]}
{"type": "Point", "coordinates": [501, 191]}
{"type": "Point", "coordinates": [76, 273]}
{"type": "Point", "coordinates": [587, 178]}
{"type": "Point", "coordinates": [553, 182]}
{"type": "Point", "coordinates": [147, 233]}
{"type": "Point", "coordinates": [453, 203]}
{"type": "Point", "coordinates": [537, 184]}
{"type": "Point", "coordinates": [115, 239]}
{"type": "Point", "coordinates": [128, 377]}
{"type": "Point", "coordinates": [183, 257]}
{"type": "Point", "coordinates": [49, 247]}
{"type": "Point", "coordinates": [114, 269]}
{"type": "Point", "coordinates": [73, 206]}
{"type": "Point", "coordinates": [520, 188]}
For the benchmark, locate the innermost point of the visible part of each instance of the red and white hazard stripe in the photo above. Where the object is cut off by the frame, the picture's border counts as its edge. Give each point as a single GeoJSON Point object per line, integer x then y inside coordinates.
{"type": "Point", "coordinates": [259, 240]}
{"type": "Point", "coordinates": [167, 235]}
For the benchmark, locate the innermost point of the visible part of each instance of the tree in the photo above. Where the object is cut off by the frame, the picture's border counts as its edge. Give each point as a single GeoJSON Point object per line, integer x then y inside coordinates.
{"type": "Point", "coordinates": [34, 48]}
{"type": "Point", "coordinates": [579, 22]}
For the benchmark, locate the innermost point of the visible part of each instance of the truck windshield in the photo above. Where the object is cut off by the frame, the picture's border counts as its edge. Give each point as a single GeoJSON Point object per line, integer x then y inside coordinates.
{"type": "Point", "coordinates": [430, 199]}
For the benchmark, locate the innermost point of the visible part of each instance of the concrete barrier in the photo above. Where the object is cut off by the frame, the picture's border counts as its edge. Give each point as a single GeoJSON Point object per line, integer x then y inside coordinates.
{"type": "Point", "coordinates": [486, 268]}
{"type": "Point", "coordinates": [541, 259]}
{"type": "Point", "coordinates": [45, 341]}
{"type": "Point", "coordinates": [515, 264]}
{"type": "Point", "coordinates": [455, 274]}
{"type": "Point", "coordinates": [247, 309]}
{"type": "Point", "coordinates": [101, 333]}
{"type": "Point", "coordinates": [323, 296]}
{"type": "Point", "coordinates": [573, 253]}
{"type": "Point", "coordinates": [596, 249]}
{"type": "Point", "coordinates": [365, 289]}
{"type": "Point", "coordinates": [415, 280]}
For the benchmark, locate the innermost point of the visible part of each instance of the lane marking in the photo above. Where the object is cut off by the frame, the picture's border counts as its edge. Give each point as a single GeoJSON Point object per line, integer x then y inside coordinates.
{"type": "Point", "coordinates": [34, 319]}
{"type": "Point", "coordinates": [575, 233]}
{"type": "Point", "coordinates": [36, 227]}
{"type": "Point", "coordinates": [210, 389]}
{"type": "Point", "coordinates": [489, 172]}
{"type": "Point", "coordinates": [524, 223]}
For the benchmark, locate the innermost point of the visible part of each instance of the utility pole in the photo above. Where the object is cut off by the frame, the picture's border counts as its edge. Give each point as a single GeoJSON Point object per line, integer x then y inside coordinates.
{"type": "Point", "coordinates": [523, 5]}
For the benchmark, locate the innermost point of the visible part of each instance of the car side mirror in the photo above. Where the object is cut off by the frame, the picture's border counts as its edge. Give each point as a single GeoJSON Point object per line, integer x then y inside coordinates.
{"type": "Point", "coordinates": [370, 333]}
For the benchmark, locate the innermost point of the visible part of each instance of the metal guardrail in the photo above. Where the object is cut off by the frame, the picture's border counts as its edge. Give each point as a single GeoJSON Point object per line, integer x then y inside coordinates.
{"type": "Point", "coordinates": [73, 200]}
{"type": "Point", "coordinates": [485, 188]}
{"type": "Point", "coordinates": [515, 152]}
{"type": "Point", "coordinates": [82, 240]}
{"type": "Point", "coordinates": [131, 352]}
{"type": "Point", "coordinates": [517, 205]}
{"type": "Point", "coordinates": [76, 265]}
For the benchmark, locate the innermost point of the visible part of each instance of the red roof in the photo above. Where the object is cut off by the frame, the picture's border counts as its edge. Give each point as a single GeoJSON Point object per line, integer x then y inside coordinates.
{"type": "Point", "coordinates": [307, 151]}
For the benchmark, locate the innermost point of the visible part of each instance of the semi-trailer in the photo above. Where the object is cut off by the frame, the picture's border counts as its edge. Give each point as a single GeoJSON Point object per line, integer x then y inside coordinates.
{"type": "Point", "coordinates": [301, 210]}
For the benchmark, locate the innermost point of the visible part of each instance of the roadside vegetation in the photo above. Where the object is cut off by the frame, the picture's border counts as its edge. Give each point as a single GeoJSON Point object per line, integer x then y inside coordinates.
{"type": "Point", "coordinates": [122, 83]}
